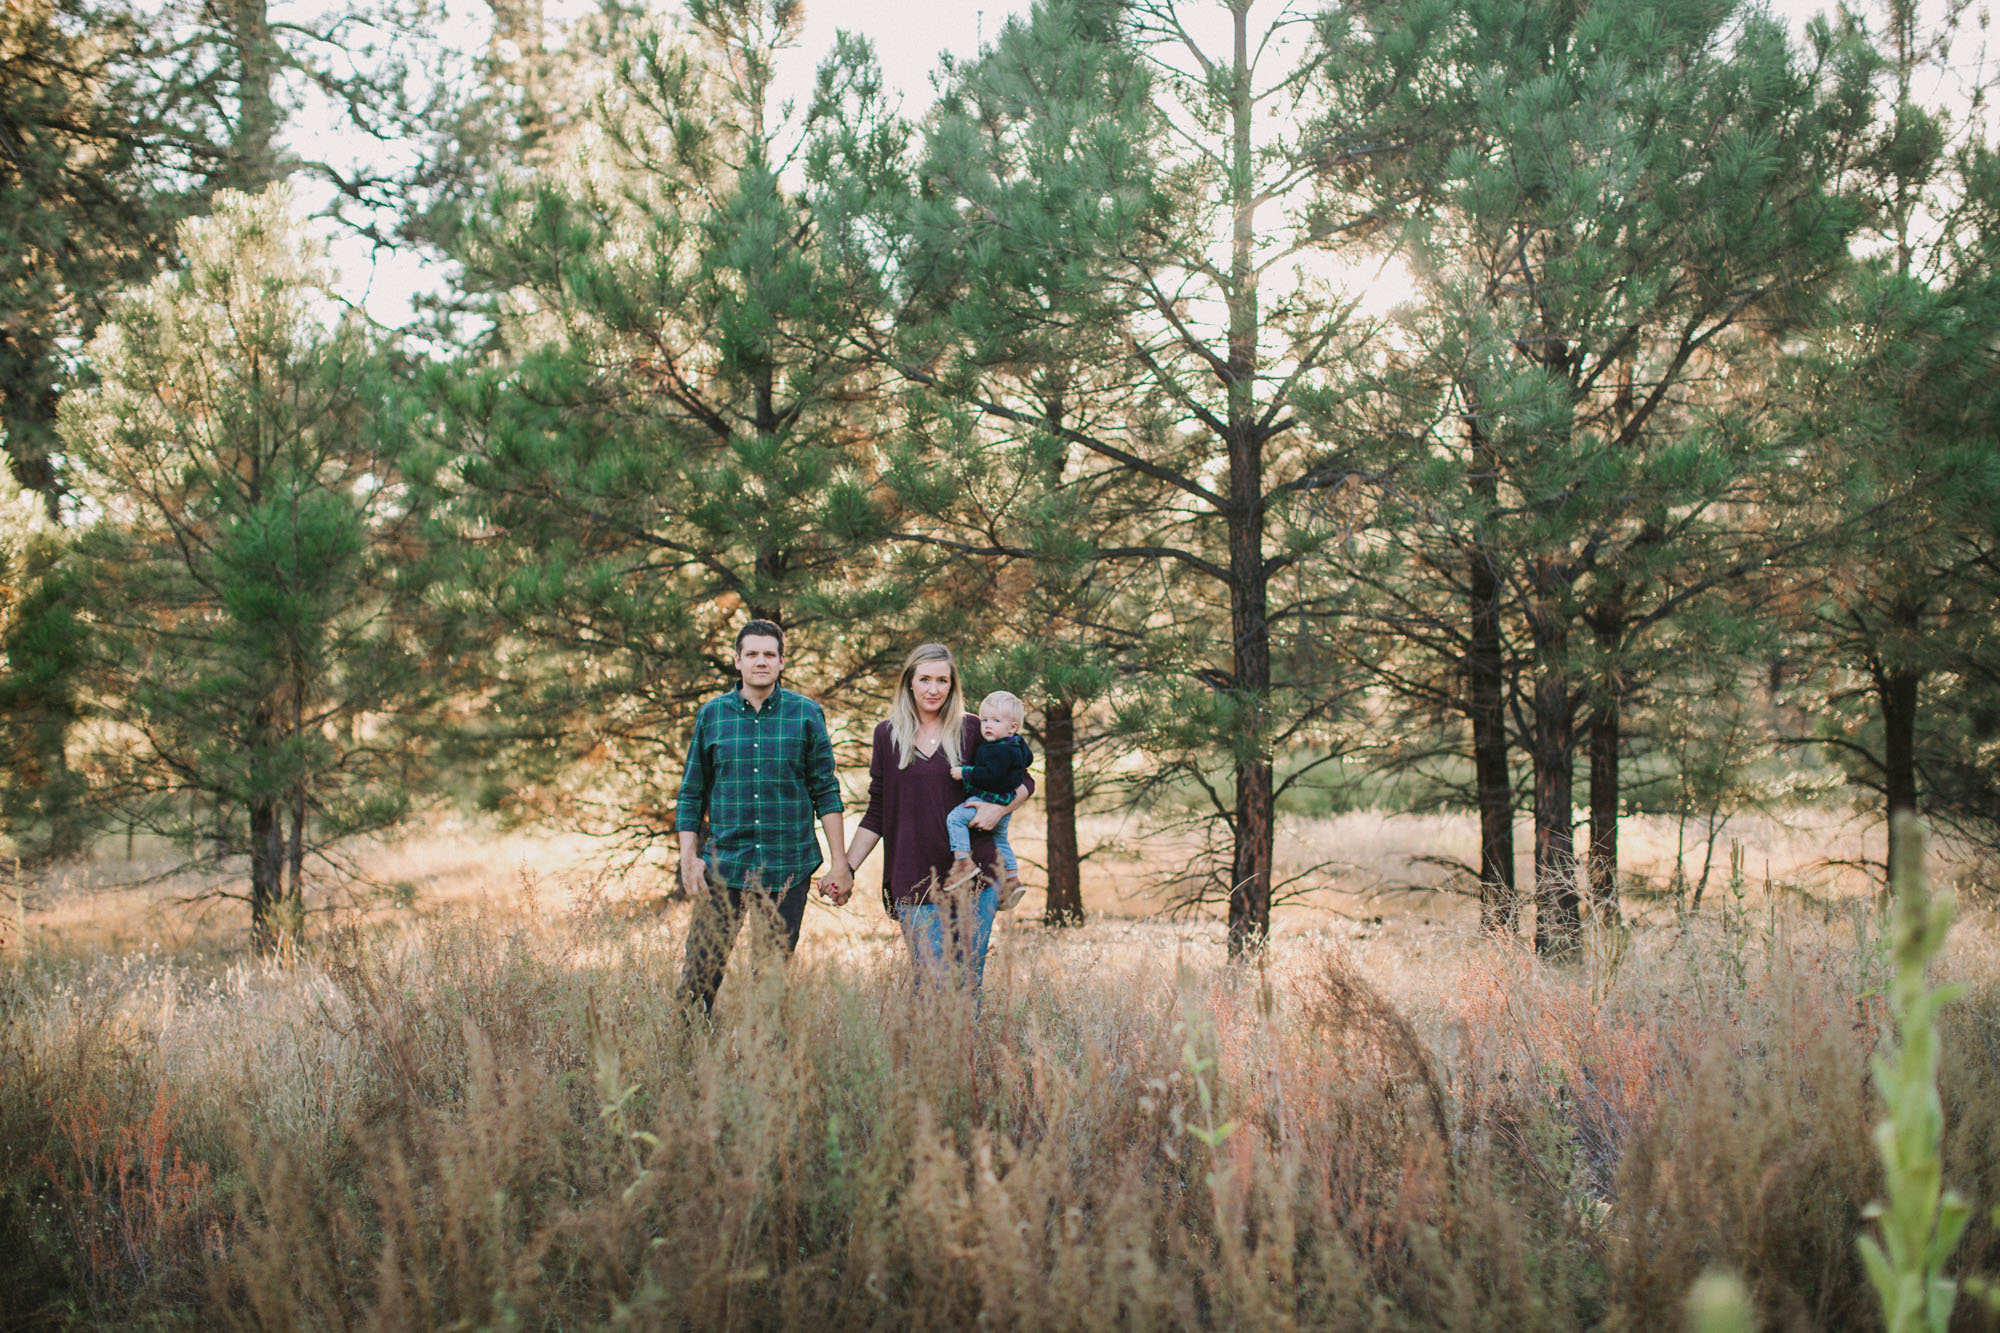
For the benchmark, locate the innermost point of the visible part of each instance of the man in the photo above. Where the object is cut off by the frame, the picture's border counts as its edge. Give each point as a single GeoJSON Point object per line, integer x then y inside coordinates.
{"type": "Point", "coordinates": [760, 767]}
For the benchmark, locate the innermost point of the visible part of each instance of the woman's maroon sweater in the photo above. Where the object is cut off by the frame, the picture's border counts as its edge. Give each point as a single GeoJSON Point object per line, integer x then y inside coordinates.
{"type": "Point", "coordinates": [906, 808]}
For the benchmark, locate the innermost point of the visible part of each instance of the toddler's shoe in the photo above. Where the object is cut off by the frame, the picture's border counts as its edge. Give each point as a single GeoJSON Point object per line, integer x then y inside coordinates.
{"type": "Point", "coordinates": [961, 874]}
{"type": "Point", "coordinates": [1012, 890]}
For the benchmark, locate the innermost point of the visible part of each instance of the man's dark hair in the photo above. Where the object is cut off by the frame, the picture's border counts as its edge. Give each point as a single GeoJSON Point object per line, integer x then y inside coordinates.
{"type": "Point", "coordinates": [764, 629]}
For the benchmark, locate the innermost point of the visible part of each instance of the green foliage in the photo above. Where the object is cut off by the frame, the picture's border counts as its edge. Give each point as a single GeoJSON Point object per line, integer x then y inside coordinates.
{"type": "Point", "coordinates": [41, 651]}
{"type": "Point", "coordinates": [1899, 403]}
{"type": "Point", "coordinates": [1922, 1221]}
{"type": "Point", "coordinates": [675, 431]}
{"type": "Point", "coordinates": [256, 572]}
{"type": "Point", "coordinates": [495, 1113]}
{"type": "Point", "coordinates": [1611, 210]}
{"type": "Point", "coordinates": [1719, 1303]}
{"type": "Point", "coordinates": [1119, 287]}
{"type": "Point", "coordinates": [106, 148]}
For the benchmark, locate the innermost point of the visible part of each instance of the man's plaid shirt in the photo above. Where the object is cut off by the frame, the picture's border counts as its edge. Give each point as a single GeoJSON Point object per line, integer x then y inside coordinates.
{"type": "Point", "coordinates": [762, 775]}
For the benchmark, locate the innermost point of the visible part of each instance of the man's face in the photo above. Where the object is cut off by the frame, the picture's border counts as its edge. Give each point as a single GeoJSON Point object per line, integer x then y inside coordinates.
{"type": "Point", "coordinates": [759, 659]}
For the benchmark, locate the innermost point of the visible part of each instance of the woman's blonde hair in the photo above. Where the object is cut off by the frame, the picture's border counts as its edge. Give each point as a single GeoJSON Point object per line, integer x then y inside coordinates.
{"type": "Point", "coordinates": [903, 719]}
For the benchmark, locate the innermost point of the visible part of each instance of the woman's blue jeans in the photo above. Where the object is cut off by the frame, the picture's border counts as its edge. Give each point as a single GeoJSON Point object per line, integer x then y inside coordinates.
{"type": "Point", "coordinates": [948, 941]}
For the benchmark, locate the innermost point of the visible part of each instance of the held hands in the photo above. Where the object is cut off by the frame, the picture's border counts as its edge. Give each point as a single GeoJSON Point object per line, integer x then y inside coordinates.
{"type": "Point", "coordinates": [838, 886]}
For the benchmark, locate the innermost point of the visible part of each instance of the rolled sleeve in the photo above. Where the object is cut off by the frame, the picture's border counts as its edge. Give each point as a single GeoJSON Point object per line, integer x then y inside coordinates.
{"type": "Point", "coordinates": [822, 779]}
{"type": "Point", "coordinates": [878, 768]}
{"type": "Point", "coordinates": [695, 780]}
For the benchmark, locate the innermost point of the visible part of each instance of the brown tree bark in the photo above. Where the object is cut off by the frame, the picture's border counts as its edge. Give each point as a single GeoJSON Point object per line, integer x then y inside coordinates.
{"type": "Point", "coordinates": [1485, 674]}
{"type": "Point", "coordinates": [1256, 783]}
{"type": "Point", "coordinates": [254, 148]}
{"type": "Point", "coordinates": [1603, 859]}
{"type": "Point", "coordinates": [1608, 622]}
{"type": "Point", "coordinates": [1899, 692]}
{"type": "Point", "coordinates": [295, 860]}
{"type": "Point", "coordinates": [269, 921]}
{"type": "Point", "coordinates": [1249, 576]}
{"type": "Point", "coordinates": [1558, 906]}
{"type": "Point", "coordinates": [1065, 895]}
{"type": "Point", "coordinates": [1499, 896]}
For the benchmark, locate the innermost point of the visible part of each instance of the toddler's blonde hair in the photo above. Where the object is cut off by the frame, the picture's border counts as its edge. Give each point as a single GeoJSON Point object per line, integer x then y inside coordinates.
{"type": "Point", "coordinates": [1006, 705]}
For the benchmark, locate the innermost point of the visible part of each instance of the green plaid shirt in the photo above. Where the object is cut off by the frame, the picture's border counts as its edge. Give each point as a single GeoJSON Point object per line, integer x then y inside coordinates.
{"type": "Point", "coordinates": [762, 776]}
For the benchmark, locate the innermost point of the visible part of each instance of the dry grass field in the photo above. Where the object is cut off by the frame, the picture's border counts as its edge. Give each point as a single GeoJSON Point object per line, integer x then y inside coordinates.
{"type": "Point", "coordinates": [476, 1109]}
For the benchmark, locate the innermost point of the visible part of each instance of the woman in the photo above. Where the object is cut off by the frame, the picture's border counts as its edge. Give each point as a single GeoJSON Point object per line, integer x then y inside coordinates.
{"type": "Point", "coordinates": [913, 784]}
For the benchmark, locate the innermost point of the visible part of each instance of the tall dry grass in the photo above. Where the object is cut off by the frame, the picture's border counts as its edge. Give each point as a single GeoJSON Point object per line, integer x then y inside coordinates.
{"type": "Point", "coordinates": [494, 1118]}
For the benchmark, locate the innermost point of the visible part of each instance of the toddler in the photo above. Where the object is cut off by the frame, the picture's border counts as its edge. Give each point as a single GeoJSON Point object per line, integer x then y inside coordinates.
{"type": "Point", "coordinates": [998, 767]}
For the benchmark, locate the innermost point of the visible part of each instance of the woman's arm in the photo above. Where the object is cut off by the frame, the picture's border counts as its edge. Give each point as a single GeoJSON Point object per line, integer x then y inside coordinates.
{"type": "Point", "coordinates": [989, 815]}
{"type": "Point", "coordinates": [869, 831]}
{"type": "Point", "coordinates": [859, 846]}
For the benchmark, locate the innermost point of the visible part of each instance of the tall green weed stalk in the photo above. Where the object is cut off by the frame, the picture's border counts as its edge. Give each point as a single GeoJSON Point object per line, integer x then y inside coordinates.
{"type": "Point", "coordinates": [1920, 1224]}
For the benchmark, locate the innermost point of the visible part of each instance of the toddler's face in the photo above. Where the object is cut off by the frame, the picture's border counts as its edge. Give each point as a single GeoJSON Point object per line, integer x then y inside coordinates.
{"type": "Point", "coordinates": [994, 725]}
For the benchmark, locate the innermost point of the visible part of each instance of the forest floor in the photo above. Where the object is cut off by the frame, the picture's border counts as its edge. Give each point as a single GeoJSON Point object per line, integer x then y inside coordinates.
{"type": "Point", "coordinates": [1365, 869]}
{"type": "Point", "coordinates": [472, 1106]}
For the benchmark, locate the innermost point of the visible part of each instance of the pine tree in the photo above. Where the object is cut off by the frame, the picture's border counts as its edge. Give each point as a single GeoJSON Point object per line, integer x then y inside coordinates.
{"type": "Point", "coordinates": [673, 436]}
{"type": "Point", "coordinates": [1015, 509]}
{"type": "Point", "coordinates": [40, 649]}
{"type": "Point", "coordinates": [256, 571]}
{"type": "Point", "coordinates": [1620, 202]}
{"type": "Point", "coordinates": [99, 157]}
{"type": "Point", "coordinates": [522, 105]}
{"type": "Point", "coordinates": [1905, 423]}
{"type": "Point", "coordinates": [1177, 198]}
{"type": "Point", "coordinates": [1901, 486]}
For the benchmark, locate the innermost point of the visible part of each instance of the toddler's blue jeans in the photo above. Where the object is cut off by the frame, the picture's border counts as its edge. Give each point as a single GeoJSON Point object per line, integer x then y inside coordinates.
{"type": "Point", "coordinates": [958, 828]}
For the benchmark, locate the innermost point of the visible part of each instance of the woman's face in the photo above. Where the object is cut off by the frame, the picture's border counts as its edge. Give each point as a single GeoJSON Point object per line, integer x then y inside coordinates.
{"type": "Point", "coordinates": [931, 685]}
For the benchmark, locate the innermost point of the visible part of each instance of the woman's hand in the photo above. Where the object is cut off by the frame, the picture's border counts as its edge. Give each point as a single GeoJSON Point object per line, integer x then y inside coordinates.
{"type": "Point", "coordinates": [989, 814]}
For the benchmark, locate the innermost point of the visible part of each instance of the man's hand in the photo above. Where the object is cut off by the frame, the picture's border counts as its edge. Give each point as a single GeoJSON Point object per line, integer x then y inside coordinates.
{"type": "Point", "coordinates": [838, 885]}
{"type": "Point", "coordinates": [989, 815]}
{"type": "Point", "coordinates": [694, 875]}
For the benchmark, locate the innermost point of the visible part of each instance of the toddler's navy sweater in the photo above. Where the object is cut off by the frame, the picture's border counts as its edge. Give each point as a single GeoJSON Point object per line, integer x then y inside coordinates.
{"type": "Point", "coordinates": [999, 766]}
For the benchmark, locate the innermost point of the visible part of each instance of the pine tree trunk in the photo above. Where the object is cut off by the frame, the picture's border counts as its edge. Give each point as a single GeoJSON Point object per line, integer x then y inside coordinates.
{"type": "Point", "coordinates": [1256, 787]}
{"type": "Point", "coordinates": [1608, 622]}
{"type": "Point", "coordinates": [1558, 908]}
{"type": "Point", "coordinates": [268, 919]}
{"type": "Point", "coordinates": [28, 418]}
{"type": "Point", "coordinates": [1250, 868]}
{"type": "Point", "coordinates": [1604, 811]}
{"type": "Point", "coordinates": [295, 859]}
{"type": "Point", "coordinates": [1065, 899]}
{"type": "Point", "coordinates": [766, 599]}
{"type": "Point", "coordinates": [1249, 579]}
{"type": "Point", "coordinates": [1499, 897]}
{"type": "Point", "coordinates": [1486, 696]}
{"type": "Point", "coordinates": [1898, 691]}
{"type": "Point", "coordinates": [254, 149]}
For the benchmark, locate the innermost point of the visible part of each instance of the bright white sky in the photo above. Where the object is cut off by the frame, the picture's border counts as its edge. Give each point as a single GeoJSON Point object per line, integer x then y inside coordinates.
{"type": "Point", "coordinates": [908, 37]}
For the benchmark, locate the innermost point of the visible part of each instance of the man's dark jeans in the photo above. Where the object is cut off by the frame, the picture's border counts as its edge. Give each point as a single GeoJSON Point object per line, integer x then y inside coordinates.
{"type": "Point", "coordinates": [717, 920]}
